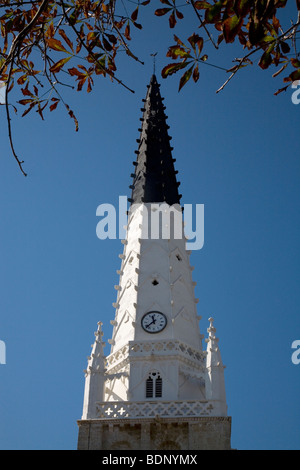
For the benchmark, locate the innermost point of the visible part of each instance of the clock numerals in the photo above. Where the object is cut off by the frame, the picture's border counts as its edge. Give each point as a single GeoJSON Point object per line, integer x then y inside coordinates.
{"type": "Point", "coordinates": [154, 322]}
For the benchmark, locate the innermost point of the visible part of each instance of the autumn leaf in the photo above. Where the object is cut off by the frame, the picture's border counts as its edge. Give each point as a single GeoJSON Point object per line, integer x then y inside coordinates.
{"type": "Point", "coordinates": [172, 20]}
{"type": "Point", "coordinates": [162, 11]}
{"type": "Point", "coordinates": [65, 37]}
{"type": "Point", "coordinates": [285, 47]}
{"type": "Point", "coordinates": [202, 5]}
{"type": "Point", "coordinates": [196, 74]}
{"type": "Point", "coordinates": [295, 63]}
{"type": "Point", "coordinates": [177, 51]}
{"type": "Point", "coordinates": [231, 27]}
{"type": "Point", "coordinates": [25, 91]}
{"type": "Point", "coordinates": [134, 14]}
{"type": "Point", "coordinates": [73, 71]}
{"type": "Point", "coordinates": [107, 46]}
{"type": "Point", "coordinates": [176, 39]}
{"type": "Point", "coordinates": [265, 60]}
{"type": "Point", "coordinates": [29, 108]}
{"type": "Point", "coordinates": [242, 7]}
{"type": "Point", "coordinates": [59, 65]}
{"type": "Point", "coordinates": [21, 80]}
{"type": "Point", "coordinates": [56, 45]}
{"type": "Point", "coordinates": [54, 105]}
{"type": "Point", "coordinates": [213, 12]}
{"type": "Point", "coordinates": [293, 76]}
{"type": "Point", "coordinates": [26, 101]}
{"type": "Point", "coordinates": [185, 77]}
{"type": "Point", "coordinates": [49, 33]}
{"type": "Point", "coordinates": [196, 40]}
{"type": "Point", "coordinates": [127, 32]}
{"type": "Point", "coordinates": [173, 68]}
{"type": "Point", "coordinates": [256, 32]}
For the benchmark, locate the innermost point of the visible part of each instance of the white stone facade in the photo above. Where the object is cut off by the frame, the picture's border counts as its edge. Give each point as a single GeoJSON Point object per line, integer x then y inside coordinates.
{"type": "Point", "coordinates": [183, 380]}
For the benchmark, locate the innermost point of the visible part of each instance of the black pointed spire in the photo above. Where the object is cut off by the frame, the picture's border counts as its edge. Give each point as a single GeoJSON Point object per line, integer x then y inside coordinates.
{"type": "Point", "coordinates": [154, 179]}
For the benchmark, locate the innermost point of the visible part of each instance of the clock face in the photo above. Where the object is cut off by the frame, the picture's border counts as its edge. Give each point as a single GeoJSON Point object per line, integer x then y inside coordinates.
{"type": "Point", "coordinates": [154, 322]}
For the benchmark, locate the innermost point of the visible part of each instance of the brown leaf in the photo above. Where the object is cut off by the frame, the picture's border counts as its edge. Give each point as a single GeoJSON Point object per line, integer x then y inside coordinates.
{"type": "Point", "coordinates": [26, 92]}
{"type": "Point", "coordinates": [21, 80]}
{"type": "Point", "coordinates": [134, 14]}
{"type": "Point", "coordinates": [196, 74]}
{"type": "Point", "coordinates": [29, 108]}
{"type": "Point", "coordinates": [177, 51]}
{"type": "Point", "coordinates": [54, 105]}
{"type": "Point", "coordinates": [185, 77]}
{"type": "Point", "coordinates": [162, 11]}
{"type": "Point", "coordinates": [107, 46]}
{"type": "Point", "coordinates": [231, 27]}
{"type": "Point", "coordinates": [56, 45]}
{"type": "Point", "coordinates": [196, 40]}
{"type": "Point", "coordinates": [27, 101]}
{"type": "Point", "coordinates": [173, 68]}
{"type": "Point", "coordinates": [127, 32]}
{"type": "Point", "coordinates": [65, 37]}
{"type": "Point", "coordinates": [172, 20]}
{"type": "Point", "coordinates": [59, 65]}
{"type": "Point", "coordinates": [293, 76]}
{"type": "Point", "coordinates": [265, 60]}
{"type": "Point", "coordinates": [49, 33]}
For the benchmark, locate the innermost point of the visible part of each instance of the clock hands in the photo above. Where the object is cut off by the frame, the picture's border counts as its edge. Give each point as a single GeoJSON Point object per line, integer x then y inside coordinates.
{"type": "Point", "coordinates": [153, 321]}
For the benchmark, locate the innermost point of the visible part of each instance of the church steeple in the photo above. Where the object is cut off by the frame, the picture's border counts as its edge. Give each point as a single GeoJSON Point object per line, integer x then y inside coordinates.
{"type": "Point", "coordinates": [157, 389]}
{"type": "Point", "coordinates": [154, 179]}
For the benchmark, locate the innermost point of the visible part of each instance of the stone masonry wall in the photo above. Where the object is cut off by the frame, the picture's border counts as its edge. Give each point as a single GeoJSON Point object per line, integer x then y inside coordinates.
{"type": "Point", "coordinates": [155, 434]}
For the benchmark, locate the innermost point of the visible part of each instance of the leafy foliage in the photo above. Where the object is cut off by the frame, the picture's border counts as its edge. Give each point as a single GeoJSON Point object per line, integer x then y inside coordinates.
{"type": "Point", "coordinates": [254, 24]}
{"type": "Point", "coordinates": [50, 44]}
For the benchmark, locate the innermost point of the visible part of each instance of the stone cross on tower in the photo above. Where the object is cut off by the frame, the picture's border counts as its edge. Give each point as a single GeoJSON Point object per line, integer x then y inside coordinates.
{"type": "Point", "coordinates": [157, 389]}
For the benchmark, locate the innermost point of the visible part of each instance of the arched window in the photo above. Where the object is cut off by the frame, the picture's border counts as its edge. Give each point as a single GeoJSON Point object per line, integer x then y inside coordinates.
{"type": "Point", "coordinates": [154, 385]}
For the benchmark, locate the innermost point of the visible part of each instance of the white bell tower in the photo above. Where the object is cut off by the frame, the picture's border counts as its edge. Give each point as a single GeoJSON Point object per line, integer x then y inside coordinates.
{"type": "Point", "coordinates": [157, 389]}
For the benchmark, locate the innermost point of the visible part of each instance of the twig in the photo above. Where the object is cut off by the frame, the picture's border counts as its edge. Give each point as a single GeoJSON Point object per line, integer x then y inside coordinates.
{"type": "Point", "coordinates": [203, 25]}
{"type": "Point", "coordinates": [20, 162]}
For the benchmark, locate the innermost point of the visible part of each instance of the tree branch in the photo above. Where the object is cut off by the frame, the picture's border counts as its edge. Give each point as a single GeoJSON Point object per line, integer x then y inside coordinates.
{"type": "Point", "coordinates": [20, 163]}
{"type": "Point", "coordinates": [18, 39]}
{"type": "Point", "coordinates": [203, 25]}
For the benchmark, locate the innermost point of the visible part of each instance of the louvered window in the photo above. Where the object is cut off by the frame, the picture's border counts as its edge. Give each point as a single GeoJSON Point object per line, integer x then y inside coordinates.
{"type": "Point", "coordinates": [154, 386]}
{"type": "Point", "coordinates": [149, 387]}
{"type": "Point", "coordinates": [158, 387]}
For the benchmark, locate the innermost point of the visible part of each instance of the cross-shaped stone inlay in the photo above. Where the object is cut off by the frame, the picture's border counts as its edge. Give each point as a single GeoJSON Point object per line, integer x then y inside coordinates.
{"type": "Point", "coordinates": [109, 411]}
{"type": "Point", "coordinates": [121, 411]}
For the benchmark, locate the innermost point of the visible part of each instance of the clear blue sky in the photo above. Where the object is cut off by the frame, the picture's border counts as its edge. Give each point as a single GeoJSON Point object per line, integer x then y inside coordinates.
{"type": "Point", "coordinates": [238, 154]}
